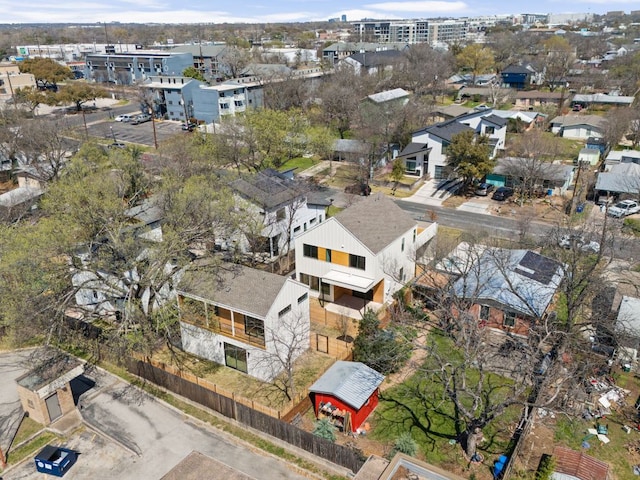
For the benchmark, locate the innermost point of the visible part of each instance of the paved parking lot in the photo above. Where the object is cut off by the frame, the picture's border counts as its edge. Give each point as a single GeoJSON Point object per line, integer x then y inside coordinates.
{"type": "Point", "coordinates": [129, 435]}
{"type": "Point", "coordinates": [142, 134]}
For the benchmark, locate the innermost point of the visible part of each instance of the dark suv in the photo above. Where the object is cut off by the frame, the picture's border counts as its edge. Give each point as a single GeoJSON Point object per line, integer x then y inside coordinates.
{"type": "Point", "coordinates": [502, 193]}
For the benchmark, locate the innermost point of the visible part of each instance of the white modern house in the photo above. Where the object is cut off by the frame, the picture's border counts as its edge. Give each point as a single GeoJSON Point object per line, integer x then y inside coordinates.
{"type": "Point", "coordinates": [426, 155]}
{"type": "Point", "coordinates": [368, 251]}
{"type": "Point", "coordinates": [281, 209]}
{"type": "Point", "coordinates": [247, 319]}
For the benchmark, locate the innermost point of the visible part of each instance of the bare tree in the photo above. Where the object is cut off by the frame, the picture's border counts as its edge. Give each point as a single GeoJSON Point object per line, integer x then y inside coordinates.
{"type": "Point", "coordinates": [340, 99]}
{"type": "Point", "coordinates": [286, 343]}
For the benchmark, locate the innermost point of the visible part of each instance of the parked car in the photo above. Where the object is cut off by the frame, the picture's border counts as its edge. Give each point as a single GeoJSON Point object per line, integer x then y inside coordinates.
{"type": "Point", "coordinates": [624, 208]}
{"type": "Point", "coordinates": [575, 240]}
{"type": "Point", "coordinates": [502, 193]}
{"type": "Point", "coordinates": [117, 145]}
{"type": "Point", "coordinates": [138, 119]}
{"type": "Point", "coordinates": [484, 189]}
{"type": "Point", "coordinates": [125, 117]}
{"type": "Point", "coordinates": [189, 127]}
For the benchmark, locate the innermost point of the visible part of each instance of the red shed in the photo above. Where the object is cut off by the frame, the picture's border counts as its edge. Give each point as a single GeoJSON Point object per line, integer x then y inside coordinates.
{"type": "Point", "coordinates": [346, 394]}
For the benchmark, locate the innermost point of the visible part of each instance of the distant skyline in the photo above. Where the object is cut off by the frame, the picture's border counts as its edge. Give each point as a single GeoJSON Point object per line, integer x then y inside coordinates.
{"type": "Point", "coordinates": [276, 11]}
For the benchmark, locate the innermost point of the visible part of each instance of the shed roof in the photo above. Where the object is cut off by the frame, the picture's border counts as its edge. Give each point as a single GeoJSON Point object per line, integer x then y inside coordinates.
{"type": "Point", "coordinates": [376, 221]}
{"type": "Point", "coordinates": [351, 382]}
{"type": "Point", "coordinates": [52, 365]}
{"type": "Point", "coordinates": [578, 464]}
{"type": "Point", "coordinates": [237, 287]}
{"type": "Point", "coordinates": [629, 315]}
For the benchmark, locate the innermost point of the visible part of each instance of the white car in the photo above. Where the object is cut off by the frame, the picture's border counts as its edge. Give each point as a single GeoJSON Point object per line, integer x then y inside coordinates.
{"type": "Point", "coordinates": [125, 117]}
{"type": "Point", "coordinates": [575, 240]}
{"type": "Point", "coordinates": [624, 208]}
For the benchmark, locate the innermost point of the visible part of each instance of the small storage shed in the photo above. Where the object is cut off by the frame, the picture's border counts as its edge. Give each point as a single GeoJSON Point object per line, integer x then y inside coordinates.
{"type": "Point", "coordinates": [346, 394]}
{"type": "Point", "coordinates": [55, 460]}
{"type": "Point", "coordinates": [45, 392]}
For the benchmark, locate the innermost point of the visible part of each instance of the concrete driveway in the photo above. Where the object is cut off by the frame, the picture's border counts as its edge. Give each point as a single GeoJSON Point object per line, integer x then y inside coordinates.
{"type": "Point", "coordinates": [130, 435]}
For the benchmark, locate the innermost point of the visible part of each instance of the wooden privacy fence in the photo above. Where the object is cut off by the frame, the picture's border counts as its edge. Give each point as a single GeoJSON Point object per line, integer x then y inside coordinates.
{"type": "Point", "coordinates": [522, 430]}
{"type": "Point", "coordinates": [338, 349]}
{"type": "Point", "coordinates": [255, 416]}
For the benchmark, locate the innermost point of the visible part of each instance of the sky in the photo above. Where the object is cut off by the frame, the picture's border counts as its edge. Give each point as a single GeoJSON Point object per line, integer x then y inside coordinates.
{"type": "Point", "coordinates": [272, 11]}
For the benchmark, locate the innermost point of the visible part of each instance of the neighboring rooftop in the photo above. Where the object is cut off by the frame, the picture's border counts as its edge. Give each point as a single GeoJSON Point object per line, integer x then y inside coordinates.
{"type": "Point", "coordinates": [388, 95]}
{"type": "Point", "coordinates": [267, 188]}
{"type": "Point", "coordinates": [351, 382]}
{"type": "Point", "coordinates": [197, 466]}
{"type": "Point", "coordinates": [522, 280]}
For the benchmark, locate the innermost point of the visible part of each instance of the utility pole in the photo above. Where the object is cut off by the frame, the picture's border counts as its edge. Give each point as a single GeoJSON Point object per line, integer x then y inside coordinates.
{"type": "Point", "coordinates": [153, 124]}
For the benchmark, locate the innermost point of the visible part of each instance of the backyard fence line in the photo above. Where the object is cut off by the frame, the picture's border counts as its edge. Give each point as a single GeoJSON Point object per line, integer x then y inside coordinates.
{"type": "Point", "coordinates": [245, 411]}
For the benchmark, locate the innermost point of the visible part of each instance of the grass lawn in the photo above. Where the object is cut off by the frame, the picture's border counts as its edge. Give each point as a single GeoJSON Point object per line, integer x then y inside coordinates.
{"type": "Point", "coordinates": [30, 448]}
{"type": "Point", "coordinates": [345, 174]}
{"type": "Point", "coordinates": [307, 369]}
{"type": "Point", "coordinates": [419, 406]}
{"type": "Point", "coordinates": [299, 163]}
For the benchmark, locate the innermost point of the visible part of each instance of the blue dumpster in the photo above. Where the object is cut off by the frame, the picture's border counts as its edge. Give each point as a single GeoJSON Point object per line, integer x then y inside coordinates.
{"type": "Point", "coordinates": [55, 460]}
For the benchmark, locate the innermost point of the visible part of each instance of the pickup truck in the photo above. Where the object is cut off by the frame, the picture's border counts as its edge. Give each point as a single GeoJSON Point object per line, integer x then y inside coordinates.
{"type": "Point", "coordinates": [624, 208]}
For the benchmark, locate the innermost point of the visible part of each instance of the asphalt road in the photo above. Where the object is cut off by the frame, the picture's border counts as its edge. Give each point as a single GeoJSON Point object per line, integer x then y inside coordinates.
{"type": "Point", "coordinates": [133, 436]}
{"type": "Point", "coordinates": [620, 246]}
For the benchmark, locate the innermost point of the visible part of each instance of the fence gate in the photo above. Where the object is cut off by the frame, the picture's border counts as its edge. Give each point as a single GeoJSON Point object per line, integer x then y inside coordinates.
{"type": "Point", "coordinates": [322, 343]}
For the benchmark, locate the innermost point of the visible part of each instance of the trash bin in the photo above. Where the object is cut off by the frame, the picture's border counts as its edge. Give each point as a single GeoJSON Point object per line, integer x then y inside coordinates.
{"type": "Point", "coordinates": [580, 208]}
{"type": "Point", "coordinates": [626, 367]}
{"type": "Point", "coordinates": [549, 192]}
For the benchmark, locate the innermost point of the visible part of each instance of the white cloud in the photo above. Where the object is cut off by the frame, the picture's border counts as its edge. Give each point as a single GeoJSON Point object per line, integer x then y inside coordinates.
{"type": "Point", "coordinates": [420, 7]}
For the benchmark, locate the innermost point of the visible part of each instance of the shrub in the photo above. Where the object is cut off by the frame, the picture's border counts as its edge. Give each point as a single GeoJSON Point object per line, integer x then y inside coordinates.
{"type": "Point", "coordinates": [404, 444]}
{"type": "Point", "coordinates": [325, 429]}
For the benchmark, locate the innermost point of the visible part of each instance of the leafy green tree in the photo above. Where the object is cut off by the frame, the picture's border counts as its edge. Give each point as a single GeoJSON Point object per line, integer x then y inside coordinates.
{"type": "Point", "coordinates": [476, 59]}
{"type": "Point", "coordinates": [384, 350]}
{"type": "Point", "coordinates": [323, 428]}
{"type": "Point", "coordinates": [468, 155]}
{"type": "Point", "coordinates": [76, 93]}
{"type": "Point", "coordinates": [193, 72]}
{"type": "Point", "coordinates": [47, 72]}
{"type": "Point", "coordinates": [32, 97]}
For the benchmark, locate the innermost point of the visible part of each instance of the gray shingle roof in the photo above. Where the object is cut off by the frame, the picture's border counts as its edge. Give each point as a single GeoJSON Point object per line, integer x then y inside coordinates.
{"type": "Point", "coordinates": [376, 221]}
{"type": "Point", "coordinates": [373, 59]}
{"type": "Point", "coordinates": [447, 130]}
{"type": "Point", "coordinates": [496, 120]}
{"type": "Point", "coordinates": [351, 382]}
{"type": "Point", "coordinates": [621, 178]}
{"type": "Point", "coordinates": [413, 148]}
{"type": "Point", "coordinates": [234, 286]}
{"type": "Point", "coordinates": [521, 280]}
{"type": "Point", "coordinates": [267, 189]}
{"type": "Point", "coordinates": [574, 120]}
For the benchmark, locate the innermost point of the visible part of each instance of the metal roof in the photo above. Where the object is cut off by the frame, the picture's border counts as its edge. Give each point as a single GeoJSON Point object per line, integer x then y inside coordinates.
{"type": "Point", "coordinates": [521, 280]}
{"type": "Point", "coordinates": [351, 382]}
{"type": "Point", "coordinates": [268, 188]}
{"type": "Point", "coordinates": [621, 178]}
{"type": "Point", "coordinates": [388, 95]}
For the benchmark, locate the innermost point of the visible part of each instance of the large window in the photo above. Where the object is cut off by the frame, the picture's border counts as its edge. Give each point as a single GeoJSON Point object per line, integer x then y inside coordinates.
{"type": "Point", "coordinates": [509, 319]}
{"type": "Point", "coordinates": [310, 251]}
{"type": "Point", "coordinates": [254, 327]}
{"type": "Point", "coordinates": [281, 214]}
{"type": "Point", "coordinates": [235, 357]}
{"type": "Point", "coordinates": [313, 282]}
{"type": "Point", "coordinates": [356, 261]}
{"type": "Point", "coordinates": [484, 312]}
